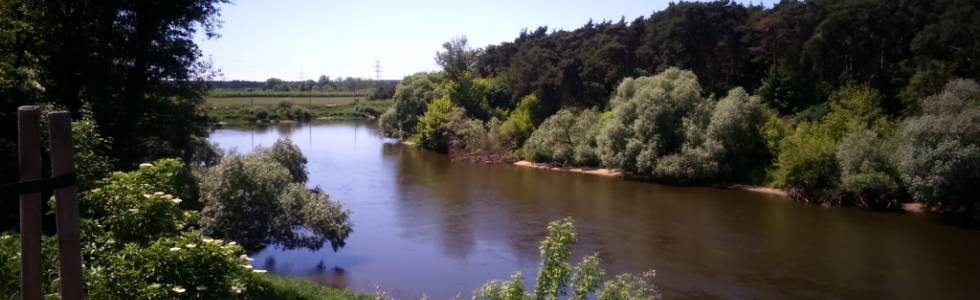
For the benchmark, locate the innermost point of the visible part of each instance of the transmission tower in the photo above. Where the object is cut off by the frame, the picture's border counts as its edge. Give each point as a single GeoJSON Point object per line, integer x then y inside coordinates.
{"type": "Point", "coordinates": [377, 70]}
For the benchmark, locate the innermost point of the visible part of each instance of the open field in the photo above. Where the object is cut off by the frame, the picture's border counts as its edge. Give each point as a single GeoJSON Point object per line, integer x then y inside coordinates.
{"type": "Point", "coordinates": [272, 101]}
{"type": "Point", "coordinates": [224, 93]}
{"type": "Point", "coordinates": [241, 109]}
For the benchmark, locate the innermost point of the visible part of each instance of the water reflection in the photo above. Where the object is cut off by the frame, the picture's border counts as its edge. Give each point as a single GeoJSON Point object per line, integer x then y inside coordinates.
{"type": "Point", "coordinates": [425, 224]}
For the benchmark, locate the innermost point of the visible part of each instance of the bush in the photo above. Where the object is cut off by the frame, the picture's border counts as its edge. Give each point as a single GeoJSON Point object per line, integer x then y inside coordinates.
{"type": "Point", "coordinates": [807, 164]}
{"type": "Point", "coordinates": [326, 220]}
{"type": "Point", "coordinates": [556, 275]}
{"type": "Point", "coordinates": [773, 131]}
{"type": "Point", "coordinates": [734, 133]}
{"type": "Point", "coordinates": [186, 266]}
{"type": "Point", "coordinates": [10, 258]}
{"type": "Point", "coordinates": [412, 96]}
{"type": "Point", "coordinates": [471, 93]}
{"type": "Point", "coordinates": [261, 114]}
{"type": "Point", "coordinates": [429, 131]}
{"type": "Point", "coordinates": [138, 207]}
{"type": "Point", "coordinates": [939, 150]}
{"type": "Point", "coordinates": [565, 137]}
{"type": "Point", "coordinates": [287, 154]}
{"type": "Point", "coordinates": [519, 124]}
{"type": "Point", "coordinates": [132, 247]}
{"type": "Point", "coordinates": [255, 200]}
{"type": "Point", "coordinates": [662, 128]}
{"type": "Point", "coordinates": [90, 162]}
{"type": "Point", "coordinates": [855, 106]}
{"type": "Point", "coordinates": [298, 114]}
{"type": "Point", "coordinates": [868, 175]}
{"type": "Point", "coordinates": [648, 120]}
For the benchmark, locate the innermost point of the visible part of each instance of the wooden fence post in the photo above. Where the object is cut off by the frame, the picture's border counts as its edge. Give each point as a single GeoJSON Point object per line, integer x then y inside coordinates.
{"type": "Point", "coordinates": [29, 165]}
{"type": "Point", "coordinates": [69, 237]}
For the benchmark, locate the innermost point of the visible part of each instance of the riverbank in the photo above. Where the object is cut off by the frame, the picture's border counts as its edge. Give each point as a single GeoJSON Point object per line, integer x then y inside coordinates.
{"type": "Point", "coordinates": [591, 171]}
{"type": "Point", "coordinates": [914, 208]}
{"type": "Point", "coordinates": [607, 172]}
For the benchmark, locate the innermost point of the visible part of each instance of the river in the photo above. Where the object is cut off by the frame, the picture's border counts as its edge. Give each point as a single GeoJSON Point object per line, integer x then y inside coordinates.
{"type": "Point", "coordinates": [425, 224]}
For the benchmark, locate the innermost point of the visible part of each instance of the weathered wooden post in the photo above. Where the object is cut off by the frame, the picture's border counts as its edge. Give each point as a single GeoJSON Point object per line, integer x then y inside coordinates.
{"type": "Point", "coordinates": [66, 198]}
{"type": "Point", "coordinates": [29, 165]}
{"type": "Point", "coordinates": [29, 188]}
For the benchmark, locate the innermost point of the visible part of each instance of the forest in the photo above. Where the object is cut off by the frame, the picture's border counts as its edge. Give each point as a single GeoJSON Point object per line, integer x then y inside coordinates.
{"type": "Point", "coordinates": [869, 103]}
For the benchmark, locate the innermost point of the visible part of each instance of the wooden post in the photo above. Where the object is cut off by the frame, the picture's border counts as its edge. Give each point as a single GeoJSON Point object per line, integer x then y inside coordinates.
{"type": "Point", "coordinates": [69, 239]}
{"type": "Point", "coordinates": [29, 164]}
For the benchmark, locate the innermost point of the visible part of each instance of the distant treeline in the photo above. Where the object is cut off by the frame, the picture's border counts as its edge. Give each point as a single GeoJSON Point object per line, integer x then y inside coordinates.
{"type": "Point", "coordinates": [324, 86]}
{"type": "Point", "coordinates": [793, 54]}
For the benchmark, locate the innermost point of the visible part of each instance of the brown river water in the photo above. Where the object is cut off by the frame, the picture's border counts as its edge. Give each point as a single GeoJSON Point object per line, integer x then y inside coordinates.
{"type": "Point", "coordinates": [424, 224]}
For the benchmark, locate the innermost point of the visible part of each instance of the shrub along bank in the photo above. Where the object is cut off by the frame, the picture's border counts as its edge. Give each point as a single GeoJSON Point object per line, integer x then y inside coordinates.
{"type": "Point", "coordinates": [845, 151]}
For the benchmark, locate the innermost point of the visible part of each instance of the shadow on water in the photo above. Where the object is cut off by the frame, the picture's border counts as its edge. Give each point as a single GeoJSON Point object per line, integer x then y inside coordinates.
{"type": "Point", "coordinates": [425, 224]}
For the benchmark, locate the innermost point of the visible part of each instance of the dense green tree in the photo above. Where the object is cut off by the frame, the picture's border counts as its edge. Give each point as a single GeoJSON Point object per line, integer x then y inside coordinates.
{"type": "Point", "coordinates": [255, 200]}
{"type": "Point", "coordinates": [567, 137]}
{"type": "Point", "coordinates": [412, 95]}
{"type": "Point", "coordinates": [807, 164]}
{"type": "Point", "coordinates": [472, 94]}
{"type": "Point", "coordinates": [868, 173]}
{"type": "Point", "coordinates": [939, 150]}
{"type": "Point", "coordinates": [703, 37]}
{"type": "Point", "coordinates": [288, 155]}
{"type": "Point", "coordinates": [734, 134]}
{"type": "Point", "coordinates": [950, 37]}
{"type": "Point", "coordinates": [458, 58]}
{"type": "Point", "coordinates": [135, 64]}
{"type": "Point", "coordinates": [648, 120]}
{"type": "Point", "coordinates": [520, 123]}
{"type": "Point", "coordinates": [429, 131]}
{"type": "Point", "coordinates": [928, 80]}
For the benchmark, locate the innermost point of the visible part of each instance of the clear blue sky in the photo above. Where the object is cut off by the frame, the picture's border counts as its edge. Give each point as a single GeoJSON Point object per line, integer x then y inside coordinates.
{"type": "Point", "coordinates": [262, 39]}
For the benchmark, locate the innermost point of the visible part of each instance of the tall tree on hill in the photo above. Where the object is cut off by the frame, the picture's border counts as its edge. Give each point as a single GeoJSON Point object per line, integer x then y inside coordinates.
{"type": "Point", "coordinates": [458, 57]}
{"type": "Point", "coordinates": [706, 38]}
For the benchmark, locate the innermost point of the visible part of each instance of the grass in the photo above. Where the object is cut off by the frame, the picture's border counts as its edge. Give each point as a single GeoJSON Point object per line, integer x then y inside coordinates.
{"type": "Point", "coordinates": [221, 93]}
{"type": "Point", "coordinates": [287, 288]}
{"type": "Point", "coordinates": [272, 101]}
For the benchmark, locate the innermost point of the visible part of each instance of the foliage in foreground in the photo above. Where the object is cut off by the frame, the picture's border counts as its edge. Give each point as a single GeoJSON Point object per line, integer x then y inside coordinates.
{"type": "Point", "coordinates": [137, 242]}
{"type": "Point", "coordinates": [139, 236]}
{"type": "Point", "coordinates": [558, 278]}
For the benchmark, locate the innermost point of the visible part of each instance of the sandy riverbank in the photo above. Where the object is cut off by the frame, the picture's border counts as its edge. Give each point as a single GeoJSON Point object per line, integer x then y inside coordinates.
{"type": "Point", "coordinates": [590, 171]}
{"type": "Point", "coordinates": [619, 173]}
{"type": "Point", "coordinates": [757, 189]}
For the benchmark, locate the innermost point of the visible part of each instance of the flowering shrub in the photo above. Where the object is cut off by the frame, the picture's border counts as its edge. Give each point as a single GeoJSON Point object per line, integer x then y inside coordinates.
{"type": "Point", "coordinates": [187, 266]}
{"type": "Point", "coordinates": [136, 206]}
